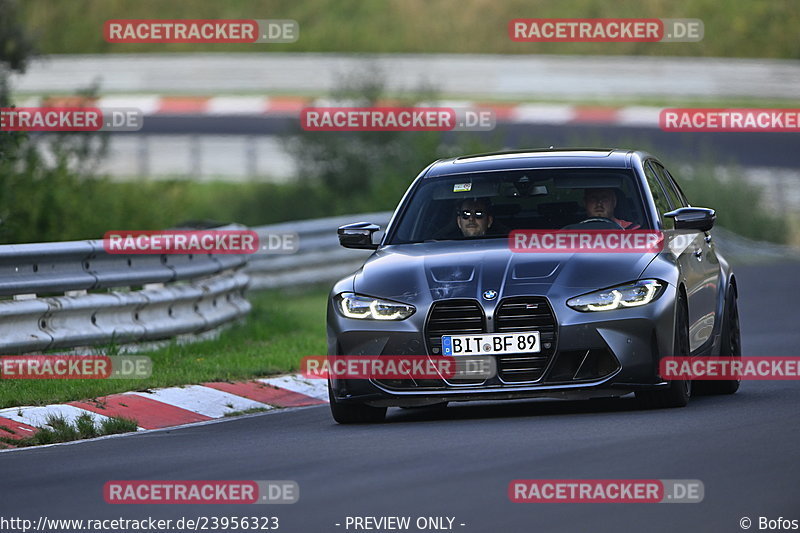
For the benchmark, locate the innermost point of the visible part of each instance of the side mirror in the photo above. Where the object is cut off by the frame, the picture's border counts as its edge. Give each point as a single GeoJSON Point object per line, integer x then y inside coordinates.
{"type": "Point", "coordinates": [696, 218]}
{"type": "Point", "coordinates": [358, 235]}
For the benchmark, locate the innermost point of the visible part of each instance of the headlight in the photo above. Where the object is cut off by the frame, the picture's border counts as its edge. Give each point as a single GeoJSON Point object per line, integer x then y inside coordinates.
{"type": "Point", "coordinates": [634, 294]}
{"type": "Point", "coordinates": [367, 308]}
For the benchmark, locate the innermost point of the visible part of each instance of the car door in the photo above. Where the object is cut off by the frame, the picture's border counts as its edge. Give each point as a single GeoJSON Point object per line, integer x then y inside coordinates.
{"type": "Point", "coordinates": [705, 262]}
{"type": "Point", "coordinates": [687, 257]}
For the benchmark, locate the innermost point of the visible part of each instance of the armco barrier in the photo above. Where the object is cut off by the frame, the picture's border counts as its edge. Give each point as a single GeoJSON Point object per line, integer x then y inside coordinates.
{"type": "Point", "coordinates": [67, 294]}
{"type": "Point", "coordinates": [319, 258]}
{"type": "Point", "coordinates": [70, 294]}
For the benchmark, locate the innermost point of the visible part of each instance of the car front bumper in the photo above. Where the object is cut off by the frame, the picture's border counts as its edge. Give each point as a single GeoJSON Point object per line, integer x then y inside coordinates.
{"type": "Point", "coordinates": [599, 354]}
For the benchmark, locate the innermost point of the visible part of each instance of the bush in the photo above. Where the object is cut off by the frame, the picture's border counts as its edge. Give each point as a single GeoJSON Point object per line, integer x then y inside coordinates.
{"type": "Point", "coordinates": [365, 170]}
{"type": "Point", "coordinates": [739, 204]}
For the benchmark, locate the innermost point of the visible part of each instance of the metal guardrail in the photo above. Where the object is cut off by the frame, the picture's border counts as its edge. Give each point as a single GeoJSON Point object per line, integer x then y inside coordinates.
{"type": "Point", "coordinates": [319, 258]}
{"type": "Point", "coordinates": [73, 294]}
{"type": "Point", "coordinates": [68, 294]}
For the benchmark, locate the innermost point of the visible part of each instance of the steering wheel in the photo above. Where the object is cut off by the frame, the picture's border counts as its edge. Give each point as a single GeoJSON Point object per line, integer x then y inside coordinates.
{"type": "Point", "coordinates": [594, 222]}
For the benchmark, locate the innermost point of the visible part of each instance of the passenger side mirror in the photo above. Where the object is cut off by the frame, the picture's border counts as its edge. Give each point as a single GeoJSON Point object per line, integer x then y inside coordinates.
{"type": "Point", "coordinates": [696, 218]}
{"type": "Point", "coordinates": [358, 235]}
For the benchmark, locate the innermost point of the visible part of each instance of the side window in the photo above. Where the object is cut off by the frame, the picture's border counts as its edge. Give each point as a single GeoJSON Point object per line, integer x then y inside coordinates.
{"type": "Point", "coordinates": [678, 188]}
{"type": "Point", "coordinates": [675, 197]}
{"type": "Point", "coordinates": [660, 198]}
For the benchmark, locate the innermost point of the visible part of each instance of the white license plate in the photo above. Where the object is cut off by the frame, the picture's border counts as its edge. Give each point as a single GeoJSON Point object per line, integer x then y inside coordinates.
{"type": "Point", "coordinates": [492, 344]}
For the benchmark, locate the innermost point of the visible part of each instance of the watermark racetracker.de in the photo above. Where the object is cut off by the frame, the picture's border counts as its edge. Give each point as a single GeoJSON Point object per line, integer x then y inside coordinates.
{"type": "Point", "coordinates": [586, 241]}
{"type": "Point", "coordinates": [419, 118]}
{"type": "Point", "coordinates": [729, 120]}
{"type": "Point", "coordinates": [606, 30]}
{"type": "Point", "coordinates": [399, 366]}
{"type": "Point", "coordinates": [728, 368]}
{"type": "Point", "coordinates": [606, 491]}
{"type": "Point", "coordinates": [181, 242]}
{"type": "Point", "coordinates": [75, 367]}
{"type": "Point", "coordinates": [201, 492]}
{"type": "Point", "coordinates": [201, 31]}
{"type": "Point", "coordinates": [74, 118]}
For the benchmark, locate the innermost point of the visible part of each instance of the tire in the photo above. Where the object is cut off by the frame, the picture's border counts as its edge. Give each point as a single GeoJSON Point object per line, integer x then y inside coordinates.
{"type": "Point", "coordinates": [680, 390]}
{"type": "Point", "coordinates": [355, 413]}
{"type": "Point", "coordinates": [731, 347]}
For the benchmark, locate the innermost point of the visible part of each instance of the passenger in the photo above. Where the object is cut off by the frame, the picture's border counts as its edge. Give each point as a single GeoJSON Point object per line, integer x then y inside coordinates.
{"type": "Point", "coordinates": [474, 217]}
{"type": "Point", "coordinates": [601, 203]}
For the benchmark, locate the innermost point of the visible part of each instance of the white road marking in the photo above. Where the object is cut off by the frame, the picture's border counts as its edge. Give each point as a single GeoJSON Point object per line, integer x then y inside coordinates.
{"type": "Point", "coordinates": [203, 400]}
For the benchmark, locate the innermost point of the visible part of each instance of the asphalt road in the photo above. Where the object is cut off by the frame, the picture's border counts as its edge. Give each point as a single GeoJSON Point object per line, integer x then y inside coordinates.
{"type": "Point", "coordinates": [459, 462]}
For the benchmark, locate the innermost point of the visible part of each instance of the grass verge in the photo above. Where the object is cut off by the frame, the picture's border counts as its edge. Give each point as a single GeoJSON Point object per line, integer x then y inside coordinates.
{"type": "Point", "coordinates": [58, 429]}
{"type": "Point", "coordinates": [732, 29]}
{"type": "Point", "coordinates": [283, 327]}
{"type": "Point", "coordinates": [250, 411]}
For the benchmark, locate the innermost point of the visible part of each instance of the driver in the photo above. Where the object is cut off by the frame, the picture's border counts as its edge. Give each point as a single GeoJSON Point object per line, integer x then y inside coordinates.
{"type": "Point", "coordinates": [473, 217]}
{"type": "Point", "coordinates": [600, 203]}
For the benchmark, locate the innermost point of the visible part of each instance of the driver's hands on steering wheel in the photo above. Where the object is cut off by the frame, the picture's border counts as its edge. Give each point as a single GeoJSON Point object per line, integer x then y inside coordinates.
{"type": "Point", "coordinates": [607, 222]}
{"type": "Point", "coordinates": [601, 219]}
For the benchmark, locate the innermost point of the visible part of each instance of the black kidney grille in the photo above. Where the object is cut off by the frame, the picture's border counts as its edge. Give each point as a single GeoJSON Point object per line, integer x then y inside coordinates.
{"type": "Point", "coordinates": [526, 313]}
{"type": "Point", "coordinates": [453, 317]}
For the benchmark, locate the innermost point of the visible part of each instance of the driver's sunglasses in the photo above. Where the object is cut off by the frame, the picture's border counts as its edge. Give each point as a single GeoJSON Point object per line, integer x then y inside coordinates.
{"type": "Point", "coordinates": [477, 214]}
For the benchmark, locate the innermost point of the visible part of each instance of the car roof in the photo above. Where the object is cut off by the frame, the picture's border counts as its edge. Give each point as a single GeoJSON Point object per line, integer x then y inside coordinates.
{"type": "Point", "coordinates": [528, 159]}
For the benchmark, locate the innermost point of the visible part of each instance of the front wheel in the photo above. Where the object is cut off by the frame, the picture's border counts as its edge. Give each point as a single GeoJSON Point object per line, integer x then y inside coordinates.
{"type": "Point", "coordinates": [355, 413]}
{"type": "Point", "coordinates": [680, 390]}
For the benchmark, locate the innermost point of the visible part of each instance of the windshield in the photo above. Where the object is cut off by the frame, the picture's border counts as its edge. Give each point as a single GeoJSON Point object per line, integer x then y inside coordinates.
{"type": "Point", "coordinates": [491, 204]}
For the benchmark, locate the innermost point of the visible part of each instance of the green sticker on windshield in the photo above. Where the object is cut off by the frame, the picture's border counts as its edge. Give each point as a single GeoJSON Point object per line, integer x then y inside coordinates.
{"type": "Point", "coordinates": [462, 187]}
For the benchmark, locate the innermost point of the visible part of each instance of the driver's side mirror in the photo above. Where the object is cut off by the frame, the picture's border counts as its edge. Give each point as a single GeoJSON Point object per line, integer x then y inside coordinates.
{"type": "Point", "coordinates": [358, 235]}
{"type": "Point", "coordinates": [696, 218]}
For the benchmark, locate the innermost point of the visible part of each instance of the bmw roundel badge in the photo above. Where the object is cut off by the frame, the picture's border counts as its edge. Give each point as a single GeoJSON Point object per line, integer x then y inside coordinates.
{"type": "Point", "coordinates": [489, 295]}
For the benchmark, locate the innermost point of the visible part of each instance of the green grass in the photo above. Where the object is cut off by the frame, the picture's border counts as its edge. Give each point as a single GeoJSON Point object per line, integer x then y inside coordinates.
{"type": "Point", "coordinates": [58, 429]}
{"type": "Point", "coordinates": [732, 29]}
{"type": "Point", "coordinates": [250, 411]}
{"type": "Point", "coordinates": [283, 327]}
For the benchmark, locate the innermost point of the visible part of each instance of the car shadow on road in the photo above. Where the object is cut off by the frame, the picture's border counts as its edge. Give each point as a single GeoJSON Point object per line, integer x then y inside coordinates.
{"type": "Point", "coordinates": [526, 408]}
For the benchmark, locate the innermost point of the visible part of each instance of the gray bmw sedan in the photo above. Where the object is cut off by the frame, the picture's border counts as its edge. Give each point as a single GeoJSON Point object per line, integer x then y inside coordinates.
{"type": "Point", "coordinates": [574, 272]}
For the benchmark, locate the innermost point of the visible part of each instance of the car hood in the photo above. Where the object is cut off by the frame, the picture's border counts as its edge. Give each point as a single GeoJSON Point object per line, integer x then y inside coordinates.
{"type": "Point", "coordinates": [465, 269]}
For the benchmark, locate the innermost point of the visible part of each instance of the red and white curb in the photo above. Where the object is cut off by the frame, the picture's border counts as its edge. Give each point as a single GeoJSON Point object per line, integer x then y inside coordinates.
{"type": "Point", "coordinates": [173, 406]}
{"type": "Point", "coordinates": [290, 106]}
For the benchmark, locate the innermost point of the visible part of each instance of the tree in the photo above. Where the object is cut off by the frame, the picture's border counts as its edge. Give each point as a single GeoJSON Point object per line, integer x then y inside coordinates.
{"type": "Point", "coordinates": [41, 198]}
{"type": "Point", "coordinates": [16, 47]}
